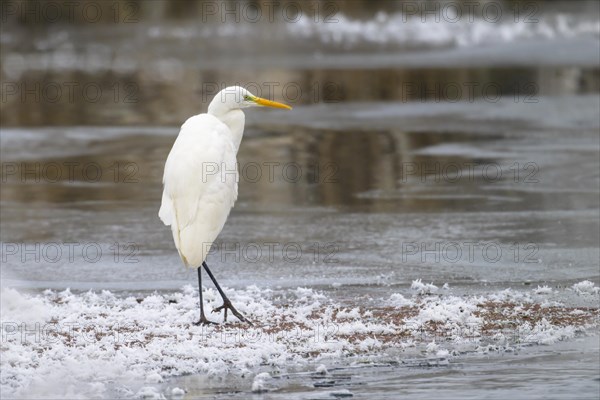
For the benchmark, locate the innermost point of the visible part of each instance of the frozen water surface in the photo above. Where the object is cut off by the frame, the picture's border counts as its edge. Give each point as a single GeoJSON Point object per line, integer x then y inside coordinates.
{"type": "Point", "coordinates": [373, 247]}
{"type": "Point", "coordinates": [400, 248]}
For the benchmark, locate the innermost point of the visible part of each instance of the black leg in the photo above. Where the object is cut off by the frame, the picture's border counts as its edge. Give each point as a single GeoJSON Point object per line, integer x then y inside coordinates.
{"type": "Point", "coordinates": [202, 320]}
{"type": "Point", "coordinates": [226, 302]}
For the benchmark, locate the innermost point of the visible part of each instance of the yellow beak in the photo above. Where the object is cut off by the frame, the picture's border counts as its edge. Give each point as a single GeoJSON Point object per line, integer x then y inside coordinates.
{"type": "Point", "coordinates": [268, 103]}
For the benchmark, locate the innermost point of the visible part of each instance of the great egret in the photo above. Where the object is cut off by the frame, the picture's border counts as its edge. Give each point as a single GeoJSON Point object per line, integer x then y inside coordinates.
{"type": "Point", "coordinates": [201, 181]}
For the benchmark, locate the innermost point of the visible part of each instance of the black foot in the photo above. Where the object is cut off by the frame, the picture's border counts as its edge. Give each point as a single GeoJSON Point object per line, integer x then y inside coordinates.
{"type": "Point", "coordinates": [228, 306]}
{"type": "Point", "coordinates": [204, 322]}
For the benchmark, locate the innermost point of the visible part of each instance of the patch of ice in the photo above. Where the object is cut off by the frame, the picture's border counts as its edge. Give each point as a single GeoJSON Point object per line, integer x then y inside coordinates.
{"type": "Point", "coordinates": [352, 314]}
{"type": "Point", "coordinates": [432, 347]}
{"type": "Point", "coordinates": [423, 288]}
{"type": "Point", "coordinates": [321, 370]}
{"type": "Point", "coordinates": [369, 343]}
{"type": "Point", "coordinates": [545, 333]}
{"type": "Point", "coordinates": [586, 287]}
{"type": "Point", "coordinates": [259, 385]}
{"type": "Point", "coordinates": [453, 312]}
{"type": "Point", "coordinates": [397, 300]}
{"type": "Point", "coordinates": [17, 307]}
{"type": "Point", "coordinates": [65, 344]}
{"type": "Point", "coordinates": [154, 377]}
{"type": "Point", "coordinates": [149, 392]}
{"type": "Point", "coordinates": [404, 29]}
{"type": "Point", "coordinates": [339, 394]}
{"type": "Point", "coordinates": [442, 353]}
{"type": "Point", "coordinates": [510, 295]}
{"type": "Point", "coordinates": [542, 290]}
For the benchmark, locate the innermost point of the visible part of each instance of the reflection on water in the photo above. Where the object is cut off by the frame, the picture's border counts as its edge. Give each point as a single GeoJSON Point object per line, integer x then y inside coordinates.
{"type": "Point", "coordinates": [366, 186]}
{"type": "Point", "coordinates": [172, 57]}
{"type": "Point", "coordinates": [75, 98]}
{"type": "Point", "coordinates": [304, 167]}
{"type": "Point", "coordinates": [376, 170]}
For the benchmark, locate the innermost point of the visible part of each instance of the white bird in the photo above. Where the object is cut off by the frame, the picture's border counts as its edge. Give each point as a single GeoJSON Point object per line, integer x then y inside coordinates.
{"type": "Point", "coordinates": [201, 181]}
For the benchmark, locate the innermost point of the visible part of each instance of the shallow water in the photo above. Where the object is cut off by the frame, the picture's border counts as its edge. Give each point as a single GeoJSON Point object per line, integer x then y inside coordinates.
{"type": "Point", "coordinates": [367, 186]}
{"type": "Point", "coordinates": [504, 205]}
{"type": "Point", "coordinates": [555, 374]}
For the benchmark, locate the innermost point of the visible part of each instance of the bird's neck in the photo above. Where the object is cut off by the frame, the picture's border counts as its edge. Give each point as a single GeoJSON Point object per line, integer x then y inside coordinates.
{"type": "Point", "coordinates": [234, 119]}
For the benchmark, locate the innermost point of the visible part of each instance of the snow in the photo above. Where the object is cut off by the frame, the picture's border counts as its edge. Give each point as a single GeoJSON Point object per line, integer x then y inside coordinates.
{"type": "Point", "coordinates": [321, 370]}
{"type": "Point", "coordinates": [423, 288]}
{"type": "Point", "coordinates": [149, 392]}
{"type": "Point", "coordinates": [451, 310]}
{"type": "Point", "coordinates": [586, 288]}
{"type": "Point", "coordinates": [542, 290]}
{"type": "Point", "coordinates": [397, 300]}
{"type": "Point", "coordinates": [351, 314]}
{"type": "Point", "coordinates": [432, 347]}
{"type": "Point", "coordinates": [259, 385]}
{"type": "Point", "coordinates": [93, 344]}
{"type": "Point", "coordinates": [411, 30]}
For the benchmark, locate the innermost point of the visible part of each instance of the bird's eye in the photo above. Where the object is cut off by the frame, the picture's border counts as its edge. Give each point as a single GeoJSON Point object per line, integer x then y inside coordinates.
{"type": "Point", "coordinates": [246, 98]}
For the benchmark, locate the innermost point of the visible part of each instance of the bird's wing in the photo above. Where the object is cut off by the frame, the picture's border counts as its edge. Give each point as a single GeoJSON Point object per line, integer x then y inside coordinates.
{"type": "Point", "coordinates": [200, 181]}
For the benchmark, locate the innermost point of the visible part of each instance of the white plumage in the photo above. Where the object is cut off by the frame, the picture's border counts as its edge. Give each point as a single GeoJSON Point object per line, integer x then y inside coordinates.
{"type": "Point", "coordinates": [201, 178]}
{"type": "Point", "coordinates": [200, 186]}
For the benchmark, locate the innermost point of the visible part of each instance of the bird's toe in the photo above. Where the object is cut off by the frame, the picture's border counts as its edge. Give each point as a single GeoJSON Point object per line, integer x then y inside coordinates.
{"type": "Point", "coordinates": [205, 322]}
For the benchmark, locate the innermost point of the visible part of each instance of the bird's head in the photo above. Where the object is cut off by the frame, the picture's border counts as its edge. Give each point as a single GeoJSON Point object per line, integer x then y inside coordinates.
{"type": "Point", "coordinates": [236, 97]}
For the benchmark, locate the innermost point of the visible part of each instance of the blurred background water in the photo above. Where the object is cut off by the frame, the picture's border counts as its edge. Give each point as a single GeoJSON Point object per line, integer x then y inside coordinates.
{"type": "Point", "coordinates": [429, 140]}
